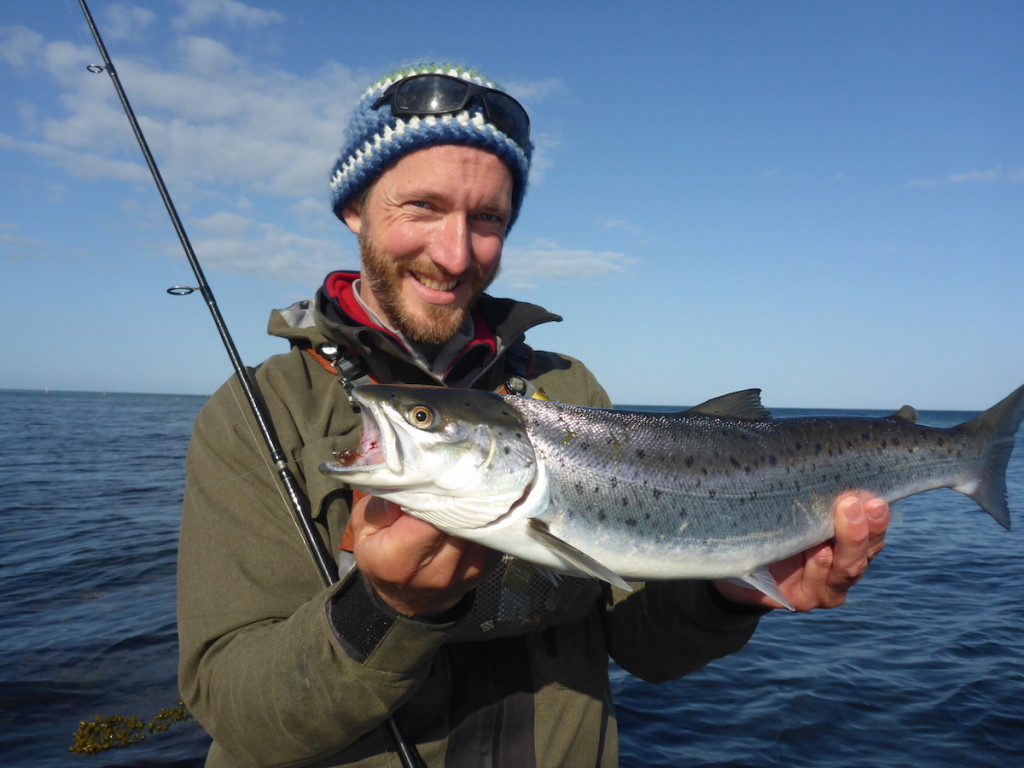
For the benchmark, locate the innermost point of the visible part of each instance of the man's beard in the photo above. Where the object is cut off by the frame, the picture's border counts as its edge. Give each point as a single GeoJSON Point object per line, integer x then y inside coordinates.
{"type": "Point", "coordinates": [438, 323]}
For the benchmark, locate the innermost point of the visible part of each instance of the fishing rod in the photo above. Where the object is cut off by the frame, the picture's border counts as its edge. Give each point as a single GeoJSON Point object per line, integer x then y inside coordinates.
{"type": "Point", "coordinates": [322, 559]}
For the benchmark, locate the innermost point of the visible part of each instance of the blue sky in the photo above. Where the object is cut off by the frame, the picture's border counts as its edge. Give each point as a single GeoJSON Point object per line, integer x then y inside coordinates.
{"type": "Point", "coordinates": [821, 199]}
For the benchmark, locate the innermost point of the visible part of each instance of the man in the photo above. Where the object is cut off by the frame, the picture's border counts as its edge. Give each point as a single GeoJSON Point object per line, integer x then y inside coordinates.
{"type": "Point", "coordinates": [479, 661]}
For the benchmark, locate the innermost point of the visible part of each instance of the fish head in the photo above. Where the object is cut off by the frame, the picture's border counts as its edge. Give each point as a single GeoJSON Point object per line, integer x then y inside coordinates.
{"type": "Point", "coordinates": [457, 458]}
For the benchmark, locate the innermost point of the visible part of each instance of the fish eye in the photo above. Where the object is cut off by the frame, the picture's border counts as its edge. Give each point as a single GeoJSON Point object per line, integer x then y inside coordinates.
{"type": "Point", "coordinates": [420, 416]}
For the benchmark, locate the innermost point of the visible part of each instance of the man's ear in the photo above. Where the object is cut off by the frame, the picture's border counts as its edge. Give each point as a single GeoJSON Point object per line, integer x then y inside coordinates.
{"type": "Point", "coordinates": [352, 215]}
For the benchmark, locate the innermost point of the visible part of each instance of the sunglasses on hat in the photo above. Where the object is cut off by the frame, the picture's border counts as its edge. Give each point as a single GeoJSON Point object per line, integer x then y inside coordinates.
{"type": "Point", "coordinates": [434, 94]}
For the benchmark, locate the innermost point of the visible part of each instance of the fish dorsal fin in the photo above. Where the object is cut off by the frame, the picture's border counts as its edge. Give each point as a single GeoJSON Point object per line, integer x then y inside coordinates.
{"type": "Point", "coordinates": [744, 405]}
{"type": "Point", "coordinates": [906, 413]}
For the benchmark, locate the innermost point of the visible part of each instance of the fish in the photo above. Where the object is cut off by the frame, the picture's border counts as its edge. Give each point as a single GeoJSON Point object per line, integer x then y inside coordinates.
{"type": "Point", "coordinates": [718, 491]}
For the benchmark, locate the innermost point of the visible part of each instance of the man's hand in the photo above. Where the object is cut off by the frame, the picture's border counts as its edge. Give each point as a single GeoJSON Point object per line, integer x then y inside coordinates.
{"type": "Point", "coordinates": [413, 567]}
{"type": "Point", "coordinates": [821, 576]}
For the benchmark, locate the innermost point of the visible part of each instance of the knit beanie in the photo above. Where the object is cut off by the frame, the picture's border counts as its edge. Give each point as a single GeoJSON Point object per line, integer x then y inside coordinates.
{"type": "Point", "coordinates": [375, 139]}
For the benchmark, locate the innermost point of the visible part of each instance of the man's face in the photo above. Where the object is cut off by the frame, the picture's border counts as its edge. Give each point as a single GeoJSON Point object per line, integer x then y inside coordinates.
{"type": "Point", "coordinates": [430, 237]}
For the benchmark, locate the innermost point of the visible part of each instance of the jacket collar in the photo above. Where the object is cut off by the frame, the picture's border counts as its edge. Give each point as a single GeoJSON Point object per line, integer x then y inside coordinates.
{"type": "Point", "coordinates": [335, 316]}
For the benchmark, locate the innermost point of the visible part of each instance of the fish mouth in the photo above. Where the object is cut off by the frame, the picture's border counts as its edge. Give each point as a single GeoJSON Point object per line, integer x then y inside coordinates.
{"type": "Point", "coordinates": [378, 448]}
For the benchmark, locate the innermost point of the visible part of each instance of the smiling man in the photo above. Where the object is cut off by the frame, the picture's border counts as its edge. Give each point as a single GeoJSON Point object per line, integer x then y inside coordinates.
{"type": "Point", "coordinates": [480, 659]}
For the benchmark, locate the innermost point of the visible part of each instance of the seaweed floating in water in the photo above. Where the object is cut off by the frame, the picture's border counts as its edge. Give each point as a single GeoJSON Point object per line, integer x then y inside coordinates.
{"type": "Point", "coordinates": [104, 733]}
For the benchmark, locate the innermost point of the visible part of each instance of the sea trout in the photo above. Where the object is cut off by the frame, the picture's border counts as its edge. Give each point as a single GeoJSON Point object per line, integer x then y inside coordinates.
{"type": "Point", "coordinates": [718, 491]}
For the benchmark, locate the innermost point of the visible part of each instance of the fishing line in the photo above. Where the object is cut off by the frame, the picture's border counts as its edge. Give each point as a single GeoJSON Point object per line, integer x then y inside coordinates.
{"type": "Point", "coordinates": [322, 558]}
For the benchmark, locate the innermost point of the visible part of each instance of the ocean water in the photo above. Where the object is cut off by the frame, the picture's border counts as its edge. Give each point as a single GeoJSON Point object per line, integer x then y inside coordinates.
{"type": "Point", "coordinates": [924, 666]}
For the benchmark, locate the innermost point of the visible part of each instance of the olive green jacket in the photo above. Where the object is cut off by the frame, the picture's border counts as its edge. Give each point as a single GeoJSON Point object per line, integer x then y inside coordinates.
{"type": "Point", "coordinates": [265, 665]}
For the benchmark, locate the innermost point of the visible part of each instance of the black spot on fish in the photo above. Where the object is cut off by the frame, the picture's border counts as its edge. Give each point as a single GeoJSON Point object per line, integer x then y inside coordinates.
{"type": "Point", "coordinates": [798, 446]}
{"type": "Point", "coordinates": [640, 453]}
{"type": "Point", "coordinates": [711, 493]}
{"type": "Point", "coordinates": [734, 462]}
{"type": "Point", "coordinates": [772, 460]}
{"type": "Point", "coordinates": [689, 461]}
{"type": "Point", "coordinates": [817, 448]}
{"type": "Point", "coordinates": [579, 488]}
{"type": "Point", "coordinates": [630, 522]}
{"type": "Point", "coordinates": [615, 482]}
{"type": "Point", "coordinates": [683, 514]}
{"type": "Point", "coordinates": [657, 493]}
{"type": "Point", "coordinates": [601, 515]}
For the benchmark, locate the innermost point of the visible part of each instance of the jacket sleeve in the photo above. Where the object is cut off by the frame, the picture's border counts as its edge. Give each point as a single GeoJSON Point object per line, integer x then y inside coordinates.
{"type": "Point", "coordinates": [664, 630]}
{"type": "Point", "coordinates": [262, 665]}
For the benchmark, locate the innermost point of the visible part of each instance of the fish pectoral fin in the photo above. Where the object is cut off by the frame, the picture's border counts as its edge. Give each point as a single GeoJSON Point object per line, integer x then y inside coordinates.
{"type": "Point", "coordinates": [762, 580]}
{"type": "Point", "coordinates": [577, 559]}
{"type": "Point", "coordinates": [550, 576]}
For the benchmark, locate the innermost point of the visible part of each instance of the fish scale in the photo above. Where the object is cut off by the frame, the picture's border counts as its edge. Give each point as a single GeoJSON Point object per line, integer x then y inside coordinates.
{"type": "Point", "coordinates": [719, 491]}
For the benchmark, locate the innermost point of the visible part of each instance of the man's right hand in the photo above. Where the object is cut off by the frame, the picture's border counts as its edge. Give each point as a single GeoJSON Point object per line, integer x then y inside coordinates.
{"type": "Point", "coordinates": [414, 567]}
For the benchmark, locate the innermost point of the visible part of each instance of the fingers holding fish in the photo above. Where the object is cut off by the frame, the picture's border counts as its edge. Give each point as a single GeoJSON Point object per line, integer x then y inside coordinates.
{"type": "Point", "coordinates": [822, 575]}
{"type": "Point", "coordinates": [861, 520]}
{"type": "Point", "coordinates": [412, 566]}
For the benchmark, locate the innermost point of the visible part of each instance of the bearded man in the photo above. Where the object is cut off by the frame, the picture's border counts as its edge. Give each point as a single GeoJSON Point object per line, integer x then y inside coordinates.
{"type": "Point", "coordinates": [478, 659]}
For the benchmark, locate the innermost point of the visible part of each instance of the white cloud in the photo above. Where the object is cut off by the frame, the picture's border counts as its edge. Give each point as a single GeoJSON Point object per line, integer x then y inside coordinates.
{"type": "Point", "coordinates": [242, 245]}
{"type": "Point", "coordinates": [624, 225]}
{"type": "Point", "coordinates": [544, 261]}
{"type": "Point", "coordinates": [996, 175]}
{"type": "Point", "coordinates": [15, 246]}
{"type": "Point", "coordinates": [212, 122]}
{"type": "Point", "coordinates": [19, 46]}
{"type": "Point", "coordinates": [231, 136]}
{"type": "Point", "coordinates": [234, 13]}
{"type": "Point", "coordinates": [126, 22]}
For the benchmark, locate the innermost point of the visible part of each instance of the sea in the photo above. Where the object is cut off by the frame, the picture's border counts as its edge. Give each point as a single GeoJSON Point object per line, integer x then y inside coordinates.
{"type": "Point", "coordinates": [923, 666]}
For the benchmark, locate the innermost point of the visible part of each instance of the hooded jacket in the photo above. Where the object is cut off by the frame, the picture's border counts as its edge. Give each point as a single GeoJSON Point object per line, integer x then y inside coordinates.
{"type": "Point", "coordinates": [282, 671]}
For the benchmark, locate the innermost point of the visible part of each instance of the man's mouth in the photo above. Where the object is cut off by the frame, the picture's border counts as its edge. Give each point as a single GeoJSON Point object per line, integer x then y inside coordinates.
{"type": "Point", "coordinates": [435, 285]}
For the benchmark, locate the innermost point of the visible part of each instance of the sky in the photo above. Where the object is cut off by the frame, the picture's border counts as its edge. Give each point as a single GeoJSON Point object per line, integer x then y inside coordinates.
{"type": "Point", "coordinates": [821, 199]}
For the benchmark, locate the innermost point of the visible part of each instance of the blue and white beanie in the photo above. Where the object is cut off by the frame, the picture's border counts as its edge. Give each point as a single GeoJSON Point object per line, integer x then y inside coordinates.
{"type": "Point", "coordinates": [375, 139]}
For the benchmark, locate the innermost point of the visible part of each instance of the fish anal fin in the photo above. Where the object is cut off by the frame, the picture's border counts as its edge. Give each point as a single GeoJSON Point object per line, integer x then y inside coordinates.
{"type": "Point", "coordinates": [577, 559]}
{"type": "Point", "coordinates": [762, 580]}
{"type": "Point", "coordinates": [744, 405]}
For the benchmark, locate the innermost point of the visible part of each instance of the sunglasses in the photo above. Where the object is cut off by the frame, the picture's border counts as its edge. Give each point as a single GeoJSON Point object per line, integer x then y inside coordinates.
{"type": "Point", "coordinates": [433, 94]}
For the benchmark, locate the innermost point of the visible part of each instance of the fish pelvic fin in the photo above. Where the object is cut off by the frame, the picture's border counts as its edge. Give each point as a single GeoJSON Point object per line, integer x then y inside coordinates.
{"type": "Point", "coordinates": [574, 557]}
{"type": "Point", "coordinates": [762, 580]}
{"type": "Point", "coordinates": [997, 426]}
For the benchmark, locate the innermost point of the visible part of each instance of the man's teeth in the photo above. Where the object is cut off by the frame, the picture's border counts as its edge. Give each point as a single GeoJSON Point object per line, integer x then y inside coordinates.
{"type": "Point", "coordinates": [436, 285]}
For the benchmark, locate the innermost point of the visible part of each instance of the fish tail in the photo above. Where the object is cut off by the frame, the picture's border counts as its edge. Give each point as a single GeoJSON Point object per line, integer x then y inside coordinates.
{"type": "Point", "coordinates": [997, 427]}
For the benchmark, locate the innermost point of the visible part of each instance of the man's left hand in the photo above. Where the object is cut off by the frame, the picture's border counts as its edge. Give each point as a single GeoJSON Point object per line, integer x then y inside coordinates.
{"type": "Point", "coordinates": [821, 576]}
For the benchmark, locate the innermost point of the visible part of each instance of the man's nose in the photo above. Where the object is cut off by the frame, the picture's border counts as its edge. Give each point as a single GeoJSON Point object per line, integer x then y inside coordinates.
{"type": "Point", "coordinates": [453, 248]}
